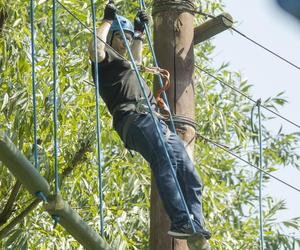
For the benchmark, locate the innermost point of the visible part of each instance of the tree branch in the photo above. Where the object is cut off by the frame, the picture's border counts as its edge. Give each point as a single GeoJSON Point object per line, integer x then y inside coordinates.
{"type": "Point", "coordinates": [2, 19]}
{"type": "Point", "coordinates": [78, 157]}
{"type": "Point", "coordinates": [3, 15]}
{"type": "Point", "coordinates": [8, 209]}
{"type": "Point", "coordinates": [5, 231]}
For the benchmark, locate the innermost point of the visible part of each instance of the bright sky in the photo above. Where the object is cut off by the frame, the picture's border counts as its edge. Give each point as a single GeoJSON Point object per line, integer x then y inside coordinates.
{"type": "Point", "coordinates": [269, 25]}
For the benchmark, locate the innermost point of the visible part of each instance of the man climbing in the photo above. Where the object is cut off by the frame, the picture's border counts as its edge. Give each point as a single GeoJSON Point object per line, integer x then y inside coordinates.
{"type": "Point", "coordinates": [120, 90]}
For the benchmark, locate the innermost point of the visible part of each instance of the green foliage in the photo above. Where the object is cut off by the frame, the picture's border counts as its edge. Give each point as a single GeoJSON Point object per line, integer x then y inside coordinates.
{"type": "Point", "coordinates": [230, 192]}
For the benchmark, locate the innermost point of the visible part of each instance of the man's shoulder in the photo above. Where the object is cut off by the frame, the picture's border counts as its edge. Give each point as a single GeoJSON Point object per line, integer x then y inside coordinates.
{"type": "Point", "coordinates": [111, 55]}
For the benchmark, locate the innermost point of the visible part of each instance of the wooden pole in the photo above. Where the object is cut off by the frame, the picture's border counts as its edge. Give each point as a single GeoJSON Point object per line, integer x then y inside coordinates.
{"type": "Point", "coordinates": [174, 47]}
{"type": "Point", "coordinates": [212, 27]}
{"type": "Point", "coordinates": [21, 168]}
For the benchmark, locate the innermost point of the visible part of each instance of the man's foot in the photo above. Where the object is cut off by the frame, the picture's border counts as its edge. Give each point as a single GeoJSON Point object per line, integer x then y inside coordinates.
{"type": "Point", "coordinates": [185, 231]}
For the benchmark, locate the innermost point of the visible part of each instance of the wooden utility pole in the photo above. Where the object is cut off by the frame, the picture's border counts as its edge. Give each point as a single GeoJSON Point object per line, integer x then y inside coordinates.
{"type": "Point", "coordinates": [174, 47]}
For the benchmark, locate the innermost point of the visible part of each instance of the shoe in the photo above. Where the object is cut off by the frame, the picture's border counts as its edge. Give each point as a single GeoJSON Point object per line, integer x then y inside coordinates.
{"type": "Point", "coordinates": [185, 231]}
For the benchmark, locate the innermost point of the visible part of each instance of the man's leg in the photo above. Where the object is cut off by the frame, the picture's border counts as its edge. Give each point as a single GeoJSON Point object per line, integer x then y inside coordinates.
{"type": "Point", "coordinates": [190, 182]}
{"type": "Point", "coordinates": [188, 178]}
{"type": "Point", "coordinates": [143, 137]}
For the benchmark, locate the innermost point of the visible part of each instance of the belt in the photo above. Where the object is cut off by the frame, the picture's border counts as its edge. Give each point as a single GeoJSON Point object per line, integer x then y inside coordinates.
{"type": "Point", "coordinates": [138, 106]}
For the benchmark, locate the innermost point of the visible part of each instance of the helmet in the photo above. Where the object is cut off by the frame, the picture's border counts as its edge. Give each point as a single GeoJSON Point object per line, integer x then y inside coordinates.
{"type": "Point", "coordinates": [126, 25]}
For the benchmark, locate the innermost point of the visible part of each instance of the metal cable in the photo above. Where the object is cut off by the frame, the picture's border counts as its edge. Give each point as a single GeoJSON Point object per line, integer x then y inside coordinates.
{"type": "Point", "coordinates": [247, 162]}
{"type": "Point", "coordinates": [246, 96]}
{"type": "Point", "coordinates": [98, 120]}
{"type": "Point", "coordinates": [251, 40]}
{"type": "Point", "coordinates": [265, 48]}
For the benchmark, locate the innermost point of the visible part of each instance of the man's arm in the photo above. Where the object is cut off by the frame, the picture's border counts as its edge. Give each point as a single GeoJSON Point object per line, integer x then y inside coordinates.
{"type": "Point", "coordinates": [102, 32]}
{"type": "Point", "coordinates": [140, 21]}
{"type": "Point", "coordinates": [137, 49]}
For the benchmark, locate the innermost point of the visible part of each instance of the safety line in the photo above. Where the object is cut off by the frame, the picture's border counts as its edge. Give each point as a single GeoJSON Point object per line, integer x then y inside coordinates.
{"type": "Point", "coordinates": [55, 95]}
{"type": "Point", "coordinates": [36, 164]}
{"type": "Point", "coordinates": [156, 126]}
{"type": "Point", "coordinates": [260, 196]}
{"type": "Point", "coordinates": [98, 120]}
{"type": "Point", "coordinates": [143, 6]}
{"type": "Point", "coordinates": [247, 162]}
{"type": "Point", "coordinates": [55, 217]}
{"type": "Point", "coordinates": [251, 40]}
{"type": "Point", "coordinates": [249, 98]}
{"type": "Point", "coordinates": [265, 48]}
{"type": "Point", "coordinates": [38, 194]}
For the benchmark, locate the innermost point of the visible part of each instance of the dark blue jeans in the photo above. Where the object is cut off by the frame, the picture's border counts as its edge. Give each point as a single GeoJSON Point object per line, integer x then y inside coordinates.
{"type": "Point", "coordinates": [141, 136]}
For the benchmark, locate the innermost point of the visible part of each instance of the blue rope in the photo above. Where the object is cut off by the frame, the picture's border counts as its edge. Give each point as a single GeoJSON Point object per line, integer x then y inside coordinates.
{"type": "Point", "coordinates": [33, 83]}
{"type": "Point", "coordinates": [98, 120]}
{"type": "Point", "coordinates": [261, 227]}
{"type": "Point", "coordinates": [54, 95]}
{"type": "Point", "coordinates": [41, 196]}
{"type": "Point", "coordinates": [36, 163]}
{"type": "Point", "coordinates": [56, 218]}
{"type": "Point", "coordinates": [156, 125]}
{"type": "Point", "coordinates": [143, 6]}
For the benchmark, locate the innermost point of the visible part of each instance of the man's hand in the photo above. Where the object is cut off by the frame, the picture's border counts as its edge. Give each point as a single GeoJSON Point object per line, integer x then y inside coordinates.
{"type": "Point", "coordinates": [110, 12]}
{"type": "Point", "coordinates": [140, 20]}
